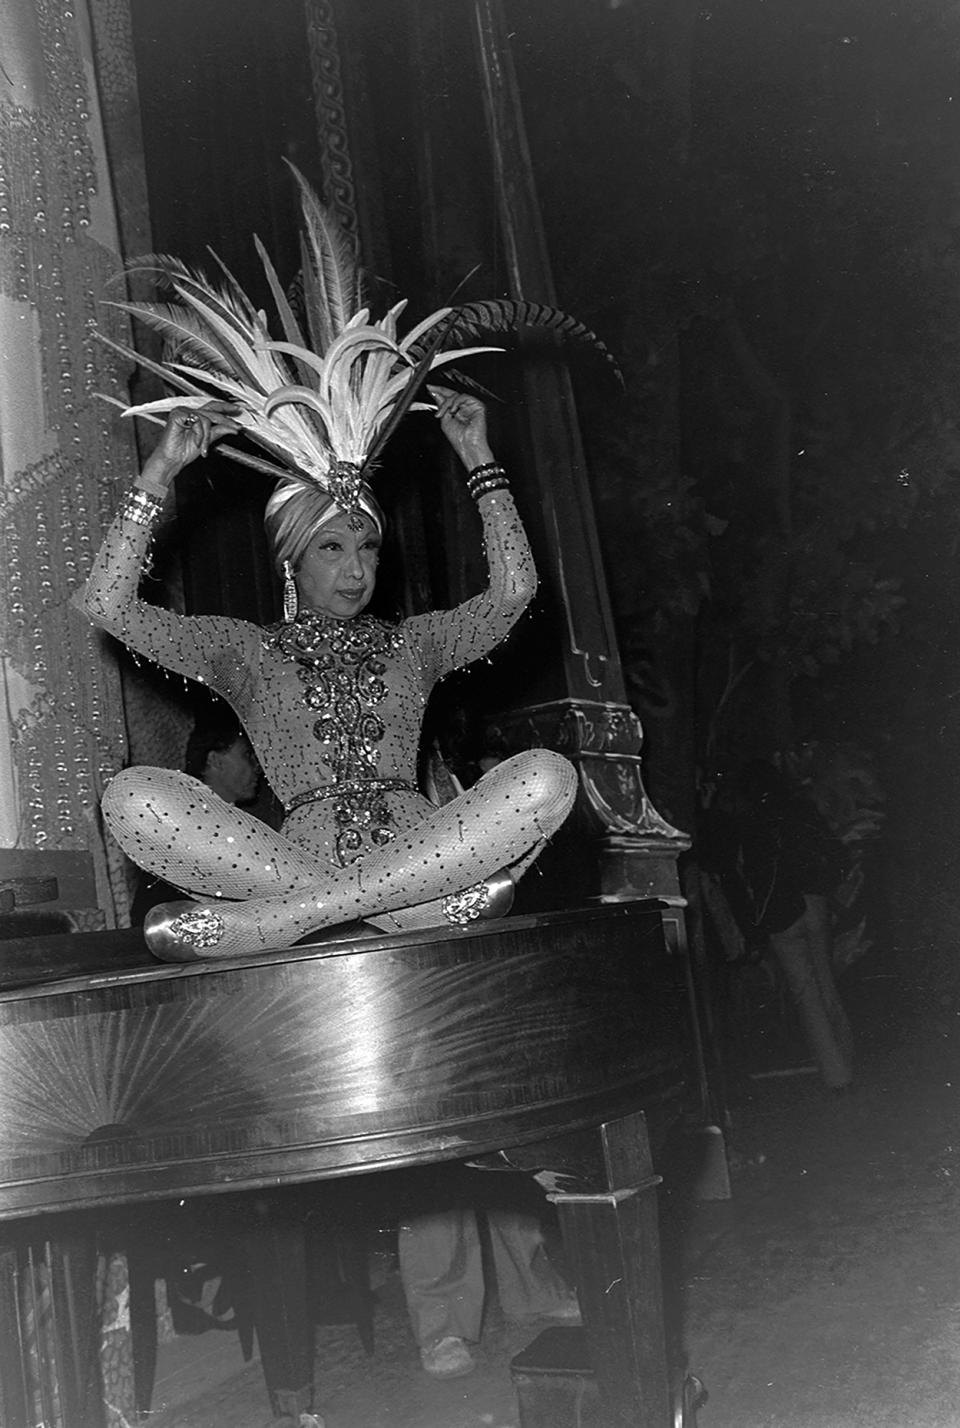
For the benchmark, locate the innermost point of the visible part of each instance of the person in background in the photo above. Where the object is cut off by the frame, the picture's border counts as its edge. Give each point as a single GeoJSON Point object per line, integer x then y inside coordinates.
{"type": "Point", "coordinates": [219, 754]}
{"type": "Point", "coordinates": [782, 864]}
{"type": "Point", "coordinates": [442, 1273]}
{"type": "Point", "coordinates": [441, 1260]}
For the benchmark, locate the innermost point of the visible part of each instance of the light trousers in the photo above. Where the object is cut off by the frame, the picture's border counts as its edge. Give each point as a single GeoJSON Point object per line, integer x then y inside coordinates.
{"type": "Point", "coordinates": [441, 1269]}
{"type": "Point", "coordinates": [803, 953]}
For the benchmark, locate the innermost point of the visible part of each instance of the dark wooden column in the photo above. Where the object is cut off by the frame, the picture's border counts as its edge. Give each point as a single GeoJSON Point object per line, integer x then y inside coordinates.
{"type": "Point", "coordinates": [588, 718]}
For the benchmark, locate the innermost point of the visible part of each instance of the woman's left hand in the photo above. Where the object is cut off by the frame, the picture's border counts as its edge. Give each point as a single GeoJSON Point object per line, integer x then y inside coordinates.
{"type": "Point", "coordinates": [463, 421]}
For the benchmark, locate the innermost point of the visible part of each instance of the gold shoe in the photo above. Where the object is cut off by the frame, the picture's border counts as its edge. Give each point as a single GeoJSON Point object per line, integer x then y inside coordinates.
{"type": "Point", "coordinates": [182, 931]}
{"type": "Point", "coordinates": [491, 898]}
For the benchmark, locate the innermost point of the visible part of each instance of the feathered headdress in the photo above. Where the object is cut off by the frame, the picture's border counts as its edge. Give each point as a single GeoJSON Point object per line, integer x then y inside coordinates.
{"type": "Point", "coordinates": [320, 404]}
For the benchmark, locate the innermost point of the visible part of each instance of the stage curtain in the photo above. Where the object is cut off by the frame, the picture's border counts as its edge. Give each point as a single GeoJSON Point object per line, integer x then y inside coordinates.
{"type": "Point", "coordinates": [64, 458]}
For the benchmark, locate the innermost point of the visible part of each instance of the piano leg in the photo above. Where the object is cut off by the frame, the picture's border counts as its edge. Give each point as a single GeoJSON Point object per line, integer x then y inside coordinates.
{"type": "Point", "coordinates": [143, 1269]}
{"type": "Point", "coordinates": [611, 1237]}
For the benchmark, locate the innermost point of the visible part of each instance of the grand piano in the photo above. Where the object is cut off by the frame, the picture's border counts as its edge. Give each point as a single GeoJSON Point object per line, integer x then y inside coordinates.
{"type": "Point", "coordinates": [551, 1042]}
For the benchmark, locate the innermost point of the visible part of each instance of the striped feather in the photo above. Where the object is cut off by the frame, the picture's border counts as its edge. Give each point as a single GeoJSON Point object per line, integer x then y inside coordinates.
{"type": "Point", "coordinates": [508, 315]}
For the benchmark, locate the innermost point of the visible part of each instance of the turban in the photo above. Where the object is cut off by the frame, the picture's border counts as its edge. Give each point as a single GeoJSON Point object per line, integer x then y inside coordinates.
{"type": "Point", "coordinates": [297, 510]}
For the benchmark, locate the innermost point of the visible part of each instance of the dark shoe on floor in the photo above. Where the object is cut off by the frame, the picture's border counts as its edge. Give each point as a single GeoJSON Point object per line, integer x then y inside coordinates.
{"type": "Point", "coordinates": [448, 1358]}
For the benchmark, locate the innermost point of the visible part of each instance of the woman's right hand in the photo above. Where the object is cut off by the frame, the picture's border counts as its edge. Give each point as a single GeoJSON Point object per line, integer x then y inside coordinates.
{"type": "Point", "coordinates": [189, 433]}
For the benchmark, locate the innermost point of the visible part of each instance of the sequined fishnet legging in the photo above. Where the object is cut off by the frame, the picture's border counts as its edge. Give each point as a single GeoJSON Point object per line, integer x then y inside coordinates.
{"type": "Point", "coordinates": [273, 893]}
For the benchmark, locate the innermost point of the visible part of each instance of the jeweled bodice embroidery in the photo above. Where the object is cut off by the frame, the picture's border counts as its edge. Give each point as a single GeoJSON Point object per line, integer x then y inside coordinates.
{"type": "Point", "coordinates": [340, 665]}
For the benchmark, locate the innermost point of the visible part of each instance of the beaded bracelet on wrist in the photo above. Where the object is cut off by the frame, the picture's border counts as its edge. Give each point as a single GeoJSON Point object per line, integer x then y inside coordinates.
{"type": "Point", "coordinates": [478, 492]}
{"type": "Point", "coordinates": [141, 507]}
{"type": "Point", "coordinates": [484, 479]}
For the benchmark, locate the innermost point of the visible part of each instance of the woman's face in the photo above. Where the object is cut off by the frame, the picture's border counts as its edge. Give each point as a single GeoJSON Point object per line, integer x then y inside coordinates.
{"type": "Point", "coordinates": [338, 569]}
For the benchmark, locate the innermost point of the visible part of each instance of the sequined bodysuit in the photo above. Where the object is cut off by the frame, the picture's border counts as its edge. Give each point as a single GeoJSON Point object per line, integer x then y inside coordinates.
{"type": "Point", "coordinates": [333, 708]}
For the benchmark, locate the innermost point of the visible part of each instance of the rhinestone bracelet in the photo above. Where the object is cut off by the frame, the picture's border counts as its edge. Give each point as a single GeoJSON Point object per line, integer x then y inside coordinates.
{"type": "Point", "coordinates": [141, 507]}
{"type": "Point", "coordinates": [485, 479]}
{"type": "Point", "coordinates": [488, 484]}
{"type": "Point", "coordinates": [490, 490]}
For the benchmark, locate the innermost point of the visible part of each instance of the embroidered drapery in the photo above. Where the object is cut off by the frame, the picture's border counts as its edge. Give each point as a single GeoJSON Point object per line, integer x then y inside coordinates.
{"type": "Point", "coordinates": [61, 456]}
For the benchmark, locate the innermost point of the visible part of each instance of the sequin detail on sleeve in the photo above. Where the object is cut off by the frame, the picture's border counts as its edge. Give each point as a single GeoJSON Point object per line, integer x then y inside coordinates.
{"type": "Point", "coordinates": [211, 649]}
{"type": "Point", "coordinates": [450, 639]}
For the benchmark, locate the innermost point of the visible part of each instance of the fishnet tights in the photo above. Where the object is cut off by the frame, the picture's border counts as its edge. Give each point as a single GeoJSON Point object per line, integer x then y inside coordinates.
{"type": "Point", "coordinates": [274, 893]}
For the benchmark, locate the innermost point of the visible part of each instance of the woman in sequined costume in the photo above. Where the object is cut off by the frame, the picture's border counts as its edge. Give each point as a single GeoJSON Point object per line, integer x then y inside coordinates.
{"type": "Point", "coordinates": [332, 701]}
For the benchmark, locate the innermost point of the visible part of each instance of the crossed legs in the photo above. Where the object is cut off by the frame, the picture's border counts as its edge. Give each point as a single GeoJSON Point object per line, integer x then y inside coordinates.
{"type": "Point", "coordinates": [268, 893]}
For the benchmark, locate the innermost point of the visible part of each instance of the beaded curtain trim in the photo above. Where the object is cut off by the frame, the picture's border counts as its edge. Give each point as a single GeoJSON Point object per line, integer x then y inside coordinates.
{"type": "Point", "coordinates": [57, 250]}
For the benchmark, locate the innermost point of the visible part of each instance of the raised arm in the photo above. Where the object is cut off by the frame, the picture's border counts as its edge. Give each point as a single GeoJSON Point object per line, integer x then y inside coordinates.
{"type": "Point", "coordinates": [453, 638]}
{"type": "Point", "coordinates": [208, 648]}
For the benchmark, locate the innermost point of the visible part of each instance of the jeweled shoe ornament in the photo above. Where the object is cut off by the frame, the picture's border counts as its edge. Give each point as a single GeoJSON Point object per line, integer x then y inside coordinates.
{"type": "Point", "coordinates": [491, 898]}
{"type": "Point", "coordinates": [182, 931]}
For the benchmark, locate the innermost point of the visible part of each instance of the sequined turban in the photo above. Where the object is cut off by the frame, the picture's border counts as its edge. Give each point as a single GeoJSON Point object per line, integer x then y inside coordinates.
{"type": "Point", "coordinates": [296, 511]}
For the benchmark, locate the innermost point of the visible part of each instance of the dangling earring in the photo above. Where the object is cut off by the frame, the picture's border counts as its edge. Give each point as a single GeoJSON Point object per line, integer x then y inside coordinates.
{"type": "Point", "coordinates": [291, 601]}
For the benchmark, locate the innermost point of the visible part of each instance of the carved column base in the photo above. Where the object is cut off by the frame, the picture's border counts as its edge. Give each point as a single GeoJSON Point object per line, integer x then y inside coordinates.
{"type": "Point", "coordinates": [615, 844]}
{"type": "Point", "coordinates": [629, 870]}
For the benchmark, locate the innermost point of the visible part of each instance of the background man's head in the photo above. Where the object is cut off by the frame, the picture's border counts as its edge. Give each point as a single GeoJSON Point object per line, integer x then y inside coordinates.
{"type": "Point", "coordinates": [220, 755]}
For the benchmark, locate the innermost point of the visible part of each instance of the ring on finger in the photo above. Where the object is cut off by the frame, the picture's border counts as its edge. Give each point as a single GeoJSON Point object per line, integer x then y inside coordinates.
{"type": "Point", "coordinates": [190, 420]}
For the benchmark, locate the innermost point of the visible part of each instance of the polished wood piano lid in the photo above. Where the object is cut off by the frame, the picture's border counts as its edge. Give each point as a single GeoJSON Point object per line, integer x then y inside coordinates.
{"type": "Point", "coordinates": [133, 1080]}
